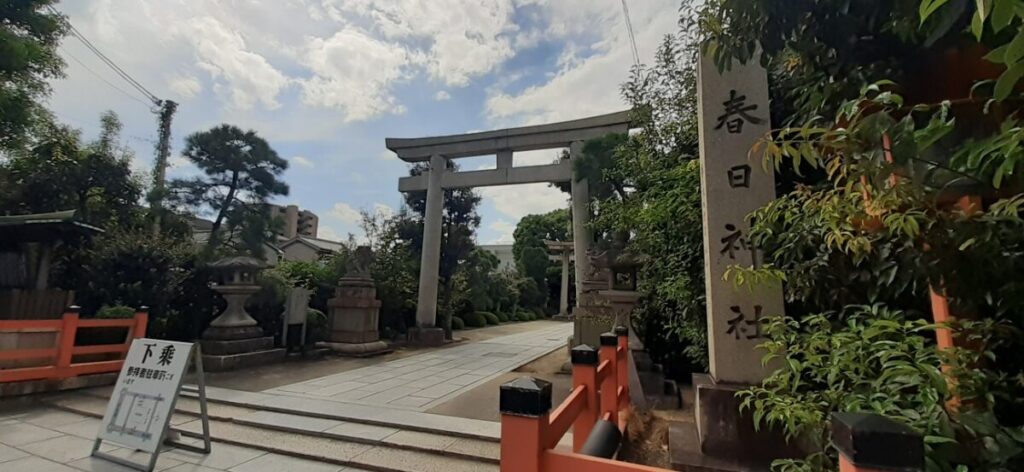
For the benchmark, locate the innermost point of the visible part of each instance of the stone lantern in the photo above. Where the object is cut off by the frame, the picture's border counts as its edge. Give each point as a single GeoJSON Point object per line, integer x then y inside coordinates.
{"type": "Point", "coordinates": [234, 339]}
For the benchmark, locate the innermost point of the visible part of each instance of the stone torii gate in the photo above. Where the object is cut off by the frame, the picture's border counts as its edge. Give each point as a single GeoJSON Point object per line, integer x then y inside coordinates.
{"type": "Point", "coordinates": [562, 251]}
{"type": "Point", "coordinates": [502, 143]}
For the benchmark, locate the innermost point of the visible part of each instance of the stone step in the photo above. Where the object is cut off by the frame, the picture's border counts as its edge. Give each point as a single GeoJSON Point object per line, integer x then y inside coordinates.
{"type": "Point", "coordinates": [354, 444]}
{"type": "Point", "coordinates": [187, 410]}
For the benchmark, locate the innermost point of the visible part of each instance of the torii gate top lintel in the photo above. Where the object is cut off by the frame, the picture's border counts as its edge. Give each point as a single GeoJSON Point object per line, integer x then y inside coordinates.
{"type": "Point", "coordinates": [525, 138]}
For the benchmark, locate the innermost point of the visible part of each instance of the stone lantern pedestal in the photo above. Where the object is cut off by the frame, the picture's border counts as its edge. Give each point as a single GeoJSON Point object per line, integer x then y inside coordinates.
{"type": "Point", "coordinates": [353, 312]}
{"type": "Point", "coordinates": [352, 317]}
{"type": "Point", "coordinates": [234, 339]}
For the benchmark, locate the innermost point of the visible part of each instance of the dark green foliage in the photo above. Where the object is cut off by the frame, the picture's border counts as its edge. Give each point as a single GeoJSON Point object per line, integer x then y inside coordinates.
{"type": "Point", "coordinates": [317, 326]}
{"type": "Point", "coordinates": [60, 173]}
{"type": "Point", "coordinates": [502, 317]}
{"type": "Point", "coordinates": [457, 323]}
{"type": "Point", "coordinates": [491, 318]}
{"type": "Point", "coordinates": [531, 254]}
{"type": "Point", "coordinates": [117, 312]}
{"type": "Point", "coordinates": [29, 36]}
{"type": "Point", "coordinates": [395, 268]}
{"type": "Point", "coordinates": [475, 320]}
{"type": "Point", "coordinates": [240, 173]}
{"type": "Point", "coordinates": [649, 184]}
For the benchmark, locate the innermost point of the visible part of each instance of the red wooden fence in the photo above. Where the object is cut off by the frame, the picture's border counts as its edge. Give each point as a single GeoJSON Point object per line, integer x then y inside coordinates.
{"type": "Point", "coordinates": [62, 355]}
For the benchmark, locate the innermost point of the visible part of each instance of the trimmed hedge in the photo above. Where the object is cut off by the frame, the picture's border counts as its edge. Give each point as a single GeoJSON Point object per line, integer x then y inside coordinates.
{"type": "Point", "coordinates": [502, 317]}
{"type": "Point", "coordinates": [475, 320]}
{"type": "Point", "coordinates": [457, 323]}
{"type": "Point", "coordinates": [491, 318]}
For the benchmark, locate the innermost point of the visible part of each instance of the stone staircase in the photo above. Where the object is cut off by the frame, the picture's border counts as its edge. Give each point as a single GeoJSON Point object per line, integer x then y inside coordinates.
{"type": "Point", "coordinates": [359, 441]}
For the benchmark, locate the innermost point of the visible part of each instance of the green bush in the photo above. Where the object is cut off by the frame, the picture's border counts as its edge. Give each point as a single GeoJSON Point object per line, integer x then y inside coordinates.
{"type": "Point", "coordinates": [475, 320]}
{"type": "Point", "coordinates": [457, 323]}
{"type": "Point", "coordinates": [316, 326]}
{"type": "Point", "coordinates": [502, 317]}
{"type": "Point", "coordinates": [523, 316]}
{"type": "Point", "coordinates": [117, 312]}
{"type": "Point", "coordinates": [491, 318]}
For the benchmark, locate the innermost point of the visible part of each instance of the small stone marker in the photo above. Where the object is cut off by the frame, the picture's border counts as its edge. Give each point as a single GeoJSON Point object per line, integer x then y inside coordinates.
{"type": "Point", "coordinates": [734, 114]}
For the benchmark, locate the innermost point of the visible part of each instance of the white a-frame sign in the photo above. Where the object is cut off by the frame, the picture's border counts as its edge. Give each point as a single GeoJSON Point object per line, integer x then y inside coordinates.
{"type": "Point", "coordinates": [140, 408]}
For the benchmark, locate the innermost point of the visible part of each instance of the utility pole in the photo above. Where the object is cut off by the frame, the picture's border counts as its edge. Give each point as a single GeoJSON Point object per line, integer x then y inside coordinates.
{"type": "Point", "coordinates": [163, 151]}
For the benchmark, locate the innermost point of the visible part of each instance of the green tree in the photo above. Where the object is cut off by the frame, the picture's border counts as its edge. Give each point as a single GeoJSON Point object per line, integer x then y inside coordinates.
{"type": "Point", "coordinates": [531, 254]}
{"type": "Point", "coordinates": [29, 35]}
{"type": "Point", "coordinates": [241, 172]}
{"type": "Point", "coordinates": [60, 173]}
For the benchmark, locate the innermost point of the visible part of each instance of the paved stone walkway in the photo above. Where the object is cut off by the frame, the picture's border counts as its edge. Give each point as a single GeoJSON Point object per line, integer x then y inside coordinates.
{"type": "Point", "coordinates": [421, 382]}
{"type": "Point", "coordinates": [50, 440]}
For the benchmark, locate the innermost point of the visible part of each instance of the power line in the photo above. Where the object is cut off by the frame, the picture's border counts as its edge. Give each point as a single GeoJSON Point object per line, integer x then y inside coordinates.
{"type": "Point", "coordinates": [632, 38]}
{"type": "Point", "coordinates": [110, 63]}
{"type": "Point", "coordinates": [98, 76]}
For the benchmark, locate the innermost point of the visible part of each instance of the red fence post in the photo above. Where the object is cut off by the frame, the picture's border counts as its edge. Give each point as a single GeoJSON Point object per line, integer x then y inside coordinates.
{"type": "Point", "coordinates": [141, 322]}
{"type": "Point", "coordinates": [873, 443]}
{"type": "Point", "coordinates": [622, 363]}
{"type": "Point", "coordinates": [609, 384]}
{"type": "Point", "coordinates": [524, 404]}
{"type": "Point", "coordinates": [66, 340]}
{"type": "Point", "coordinates": [584, 372]}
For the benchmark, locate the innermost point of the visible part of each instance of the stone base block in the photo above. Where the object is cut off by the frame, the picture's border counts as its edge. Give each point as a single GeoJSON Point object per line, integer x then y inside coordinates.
{"type": "Point", "coordinates": [220, 363]}
{"type": "Point", "coordinates": [426, 337]}
{"type": "Point", "coordinates": [237, 346]}
{"type": "Point", "coordinates": [353, 337]}
{"type": "Point", "coordinates": [685, 454]}
{"type": "Point", "coordinates": [727, 432]}
{"type": "Point", "coordinates": [231, 333]}
{"type": "Point", "coordinates": [357, 349]}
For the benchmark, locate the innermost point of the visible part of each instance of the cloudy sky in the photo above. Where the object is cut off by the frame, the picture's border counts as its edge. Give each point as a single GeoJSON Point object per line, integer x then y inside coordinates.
{"type": "Point", "coordinates": [325, 81]}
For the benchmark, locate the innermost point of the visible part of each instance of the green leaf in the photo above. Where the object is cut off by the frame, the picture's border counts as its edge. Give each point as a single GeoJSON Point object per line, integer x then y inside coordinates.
{"type": "Point", "coordinates": [1014, 49]}
{"type": "Point", "coordinates": [997, 55]}
{"type": "Point", "coordinates": [928, 7]}
{"type": "Point", "coordinates": [1006, 82]}
{"type": "Point", "coordinates": [1002, 14]}
{"type": "Point", "coordinates": [978, 21]}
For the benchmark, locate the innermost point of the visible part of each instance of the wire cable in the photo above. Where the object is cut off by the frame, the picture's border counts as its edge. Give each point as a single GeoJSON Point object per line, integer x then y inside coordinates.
{"type": "Point", "coordinates": [632, 38]}
{"type": "Point", "coordinates": [109, 62]}
{"type": "Point", "coordinates": [98, 76]}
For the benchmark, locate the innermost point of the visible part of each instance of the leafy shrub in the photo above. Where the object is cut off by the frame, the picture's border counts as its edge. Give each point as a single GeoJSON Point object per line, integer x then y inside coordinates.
{"type": "Point", "coordinates": [118, 312]}
{"type": "Point", "coordinates": [475, 320]}
{"type": "Point", "coordinates": [316, 326]}
{"type": "Point", "coordinates": [457, 323]}
{"type": "Point", "coordinates": [491, 318]}
{"type": "Point", "coordinates": [502, 317]}
{"type": "Point", "coordinates": [870, 358]}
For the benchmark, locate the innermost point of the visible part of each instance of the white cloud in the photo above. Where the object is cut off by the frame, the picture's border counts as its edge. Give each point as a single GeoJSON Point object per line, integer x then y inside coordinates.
{"type": "Point", "coordinates": [242, 75]}
{"type": "Point", "coordinates": [466, 39]}
{"type": "Point", "coordinates": [302, 161]}
{"type": "Point", "coordinates": [185, 86]}
{"type": "Point", "coordinates": [327, 232]}
{"type": "Point", "coordinates": [345, 213]}
{"type": "Point", "coordinates": [505, 232]}
{"type": "Point", "coordinates": [591, 68]}
{"type": "Point", "coordinates": [383, 209]}
{"type": "Point", "coordinates": [515, 202]}
{"type": "Point", "coordinates": [387, 155]}
{"type": "Point", "coordinates": [354, 73]}
{"type": "Point", "coordinates": [441, 96]}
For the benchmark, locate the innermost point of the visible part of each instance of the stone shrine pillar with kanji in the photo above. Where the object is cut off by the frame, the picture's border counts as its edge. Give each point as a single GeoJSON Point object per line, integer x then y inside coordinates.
{"type": "Point", "coordinates": [733, 115]}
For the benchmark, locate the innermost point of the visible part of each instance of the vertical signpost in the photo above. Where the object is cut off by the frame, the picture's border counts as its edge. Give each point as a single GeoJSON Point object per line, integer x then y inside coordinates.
{"type": "Point", "coordinates": [734, 114]}
{"type": "Point", "coordinates": [143, 399]}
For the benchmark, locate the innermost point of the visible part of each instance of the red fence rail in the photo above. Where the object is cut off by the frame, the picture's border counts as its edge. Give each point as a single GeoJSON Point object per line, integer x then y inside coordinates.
{"type": "Point", "coordinates": [63, 353]}
{"type": "Point", "coordinates": [530, 431]}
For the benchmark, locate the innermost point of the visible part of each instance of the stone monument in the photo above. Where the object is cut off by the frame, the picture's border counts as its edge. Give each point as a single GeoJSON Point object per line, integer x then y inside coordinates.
{"type": "Point", "coordinates": [733, 115]}
{"type": "Point", "coordinates": [608, 293]}
{"type": "Point", "coordinates": [234, 339]}
{"type": "Point", "coordinates": [354, 310]}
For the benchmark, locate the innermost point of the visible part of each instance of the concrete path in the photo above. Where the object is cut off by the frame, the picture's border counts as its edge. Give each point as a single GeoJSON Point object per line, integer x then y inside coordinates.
{"type": "Point", "coordinates": [420, 382]}
{"type": "Point", "coordinates": [51, 440]}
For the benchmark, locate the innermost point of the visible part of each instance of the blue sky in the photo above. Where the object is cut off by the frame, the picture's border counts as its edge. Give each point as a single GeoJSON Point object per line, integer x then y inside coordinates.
{"type": "Point", "coordinates": [325, 81]}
